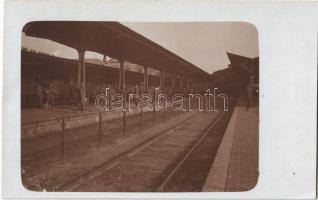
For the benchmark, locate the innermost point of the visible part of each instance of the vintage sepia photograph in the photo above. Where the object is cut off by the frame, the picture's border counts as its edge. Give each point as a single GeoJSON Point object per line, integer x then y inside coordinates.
{"type": "Point", "coordinates": [112, 106]}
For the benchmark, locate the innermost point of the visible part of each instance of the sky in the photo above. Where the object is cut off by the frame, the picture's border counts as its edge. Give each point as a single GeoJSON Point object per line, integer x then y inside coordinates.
{"type": "Point", "coordinates": [202, 43]}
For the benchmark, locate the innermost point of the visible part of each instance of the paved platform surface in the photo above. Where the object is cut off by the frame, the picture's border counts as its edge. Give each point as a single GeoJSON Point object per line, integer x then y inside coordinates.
{"type": "Point", "coordinates": [235, 167]}
{"type": "Point", "coordinates": [38, 121]}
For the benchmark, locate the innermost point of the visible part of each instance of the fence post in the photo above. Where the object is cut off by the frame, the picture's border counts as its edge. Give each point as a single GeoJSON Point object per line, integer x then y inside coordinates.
{"type": "Point", "coordinates": [100, 120]}
{"type": "Point", "coordinates": [124, 114]}
{"type": "Point", "coordinates": [141, 119]}
{"type": "Point", "coordinates": [154, 108]}
{"type": "Point", "coordinates": [63, 126]}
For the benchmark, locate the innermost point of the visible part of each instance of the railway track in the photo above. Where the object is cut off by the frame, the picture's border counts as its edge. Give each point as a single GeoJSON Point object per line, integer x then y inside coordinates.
{"type": "Point", "coordinates": [190, 173]}
{"type": "Point", "coordinates": [185, 171]}
{"type": "Point", "coordinates": [80, 182]}
{"type": "Point", "coordinates": [48, 147]}
{"type": "Point", "coordinates": [40, 147]}
{"type": "Point", "coordinates": [77, 181]}
{"type": "Point", "coordinates": [171, 167]}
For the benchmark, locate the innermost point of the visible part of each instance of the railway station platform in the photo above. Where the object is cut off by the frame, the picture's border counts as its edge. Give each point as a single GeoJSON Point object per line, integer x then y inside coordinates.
{"type": "Point", "coordinates": [235, 167]}
{"type": "Point", "coordinates": [32, 115]}
{"type": "Point", "coordinates": [39, 121]}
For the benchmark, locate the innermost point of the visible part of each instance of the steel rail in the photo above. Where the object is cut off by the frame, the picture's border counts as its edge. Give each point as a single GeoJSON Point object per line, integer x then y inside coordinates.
{"type": "Point", "coordinates": [109, 164]}
{"type": "Point", "coordinates": [197, 143]}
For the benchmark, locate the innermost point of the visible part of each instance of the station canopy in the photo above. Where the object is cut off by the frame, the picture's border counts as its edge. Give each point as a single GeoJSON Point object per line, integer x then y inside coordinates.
{"type": "Point", "coordinates": [244, 66]}
{"type": "Point", "coordinates": [114, 40]}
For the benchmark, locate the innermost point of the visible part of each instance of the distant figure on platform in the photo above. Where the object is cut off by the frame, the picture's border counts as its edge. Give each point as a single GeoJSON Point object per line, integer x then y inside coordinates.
{"type": "Point", "coordinates": [77, 98]}
{"type": "Point", "coordinates": [46, 96]}
{"type": "Point", "coordinates": [102, 88]}
{"type": "Point", "coordinates": [39, 95]}
{"type": "Point", "coordinates": [248, 96]}
{"type": "Point", "coordinates": [53, 94]}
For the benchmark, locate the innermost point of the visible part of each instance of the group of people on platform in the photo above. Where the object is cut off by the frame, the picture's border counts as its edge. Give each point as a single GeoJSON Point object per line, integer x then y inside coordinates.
{"type": "Point", "coordinates": [54, 93]}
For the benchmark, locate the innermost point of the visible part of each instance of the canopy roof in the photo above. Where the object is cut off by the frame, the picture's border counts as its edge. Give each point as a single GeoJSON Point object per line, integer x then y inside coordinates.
{"type": "Point", "coordinates": [114, 40]}
{"type": "Point", "coordinates": [244, 65]}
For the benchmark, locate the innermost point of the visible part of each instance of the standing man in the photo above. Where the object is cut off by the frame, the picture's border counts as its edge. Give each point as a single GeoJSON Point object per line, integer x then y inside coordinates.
{"type": "Point", "coordinates": [39, 95]}
{"type": "Point", "coordinates": [248, 96]}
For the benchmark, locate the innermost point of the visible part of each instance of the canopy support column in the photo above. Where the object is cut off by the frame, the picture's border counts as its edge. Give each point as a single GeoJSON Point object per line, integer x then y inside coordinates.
{"type": "Point", "coordinates": [173, 81]}
{"type": "Point", "coordinates": [145, 79]}
{"type": "Point", "coordinates": [181, 82]}
{"type": "Point", "coordinates": [122, 87]}
{"type": "Point", "coordinates": [162, 79]}
{"type": "Point", "coordinates": [188, 84]}
{"type": "Point", "coordinates": [81, 78]}
{"type": "Point", "coordinates": [121, 74]}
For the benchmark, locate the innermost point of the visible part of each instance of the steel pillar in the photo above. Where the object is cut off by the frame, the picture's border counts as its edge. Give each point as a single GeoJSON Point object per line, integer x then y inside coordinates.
{"type": "Point", "coordinates": [173, 81]}
{"type": "Point", "coordinates": [81, 81]}
{"type": "Point", "coordinates": [145, 79]}
{"type": "Point", "coordinates": [162, 79]}
{"type": "Point", "coordinates": [121, 74]}
{"type": "Point", "coordinates": [181, 82]}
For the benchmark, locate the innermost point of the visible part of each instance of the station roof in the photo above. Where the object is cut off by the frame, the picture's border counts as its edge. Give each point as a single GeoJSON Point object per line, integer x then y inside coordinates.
{"type": "Point", "coordinates": [243, 65]}
{"type": "Point", "coordinates": [114, 40]}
